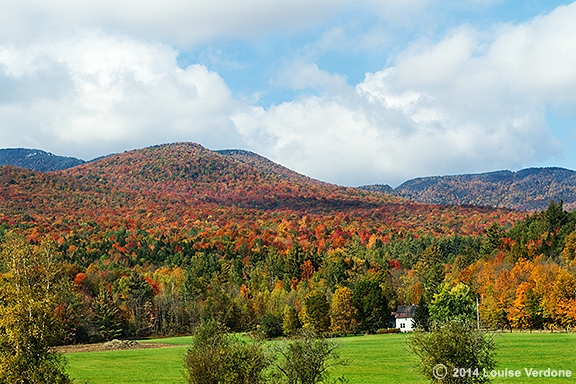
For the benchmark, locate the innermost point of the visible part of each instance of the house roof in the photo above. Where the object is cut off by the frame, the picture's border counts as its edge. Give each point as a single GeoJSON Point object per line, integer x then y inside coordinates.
{"type": "Point", "coordinates": [405, 311]}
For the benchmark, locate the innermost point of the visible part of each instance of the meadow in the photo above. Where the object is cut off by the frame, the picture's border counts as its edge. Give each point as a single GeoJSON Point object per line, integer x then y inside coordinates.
{"type": "Point", "coordinates": [372, 359]}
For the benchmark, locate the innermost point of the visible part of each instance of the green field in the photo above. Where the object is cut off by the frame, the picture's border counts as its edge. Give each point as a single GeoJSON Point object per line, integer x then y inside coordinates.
{"type": "Point", "coordinates": [373, 359]}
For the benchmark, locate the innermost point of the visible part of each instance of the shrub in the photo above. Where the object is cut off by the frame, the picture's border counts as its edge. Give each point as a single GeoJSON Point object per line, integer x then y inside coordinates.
{"type": "Point", "coordinates": [455, 343]}
{"type": "Point", "coordinates": [219, 358]}
{"type": "Point", "coordinates": [270, 326]}
{"type": "Point", "coordinates": [305, 360]}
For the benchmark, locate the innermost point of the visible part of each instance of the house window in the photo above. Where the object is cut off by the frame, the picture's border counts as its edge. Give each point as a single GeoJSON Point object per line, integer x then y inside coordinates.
{"type": "Point", "coordinates": [402, 325]}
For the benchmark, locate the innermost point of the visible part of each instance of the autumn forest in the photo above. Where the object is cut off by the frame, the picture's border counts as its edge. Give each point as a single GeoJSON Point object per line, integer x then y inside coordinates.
{"type": "Point", "coordinates": [154, 241]}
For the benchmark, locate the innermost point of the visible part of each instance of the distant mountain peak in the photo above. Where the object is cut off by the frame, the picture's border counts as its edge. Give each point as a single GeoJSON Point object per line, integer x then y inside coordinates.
{"type": "Point", "coordinates": [36, 159]}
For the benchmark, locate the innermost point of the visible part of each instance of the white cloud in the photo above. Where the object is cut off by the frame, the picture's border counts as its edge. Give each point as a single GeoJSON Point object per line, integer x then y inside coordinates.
{"type": "Point", "coordinates": [179, 21]}
{"type": "Point", "coordinates": [469, 102]}
{"type": "Point", "coordinates": [111, 93]}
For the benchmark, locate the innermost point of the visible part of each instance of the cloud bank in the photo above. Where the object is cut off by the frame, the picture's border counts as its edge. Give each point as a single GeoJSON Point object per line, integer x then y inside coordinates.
{"type": "Point", "coordinates": [470, 102]}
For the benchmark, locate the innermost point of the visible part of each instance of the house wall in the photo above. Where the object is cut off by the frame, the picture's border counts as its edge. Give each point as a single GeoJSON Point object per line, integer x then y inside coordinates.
{"type": "Point", "coordinates": [404, 324]}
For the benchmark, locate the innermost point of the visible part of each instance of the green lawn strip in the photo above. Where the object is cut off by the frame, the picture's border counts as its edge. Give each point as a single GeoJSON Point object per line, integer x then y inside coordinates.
{"type": "Point", "coordinates": [153, 365]}
{"type": "Point", "coordinates": [520, 351]}
{"type": "Point", "coordinates": [376, 359]}
{"type": "Point", "coordinates": [180, 340]}
{"type": "Point", "coordinates": [372, 359]}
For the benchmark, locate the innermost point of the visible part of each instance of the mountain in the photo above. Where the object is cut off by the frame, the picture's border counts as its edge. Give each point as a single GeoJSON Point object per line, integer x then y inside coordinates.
{"type": "Point", "coordinates": [183, 190]}
{"type": "Point", "coordinates": [529, 189]}
{"type": "Point", "coordinates": [36, 159]}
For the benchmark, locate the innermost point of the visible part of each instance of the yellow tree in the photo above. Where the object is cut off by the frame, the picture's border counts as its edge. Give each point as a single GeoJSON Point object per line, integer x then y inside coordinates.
{"type": "Point", "coordinates": [519, 315]}
{"type": "Point", "coordinates": [343, 315]}
{"type": "Point", "coordinates": [29, 292]}
{"type": "Point", "coordinates": [569, 252]}
{"type": "Point", "coordinates": [564, 299]}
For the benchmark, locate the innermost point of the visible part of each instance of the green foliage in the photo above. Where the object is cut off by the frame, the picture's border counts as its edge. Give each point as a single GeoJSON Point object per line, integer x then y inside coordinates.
{"type": "Point", "coordinates": [372, 306]}
{"type": "Point", "coordinates": [306, 360]}
{"type": "Point", "coordinates": [547, 230]}
{"type": "Point", "coordinates": [317, 311]}
{"type": "Point", "coordinates": [492, 240]}
{"type": "Point", "coordinates": [430, 270]}
{"type": "Point", "coordinates": [290, 322]}
{"type": "Point", "coordinates": [139, 296]}
{"type": "Point", "coordinates": [456, 344]}
{"type": "Point", "coordinates": [109, 321]}
{"type": "Point", "coordinates": [29, 295]}
{"type": "Point", "coordinates": [216, 357]}
{"type": "Point", "coordinates": [453, 302]}
{"type": "Point", "coordinates": [421, 318]}
{"type": "Point", "coordinates": [270, 326]}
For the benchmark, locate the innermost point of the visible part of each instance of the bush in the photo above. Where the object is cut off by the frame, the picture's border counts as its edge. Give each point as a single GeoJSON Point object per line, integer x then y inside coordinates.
{"type": "Point", "coordinates": [454, 344]}
{"type": "Point", "coordinates": [305, 360]}
{"type": "Point", "coordinates": [270, 326]}
{"type": "Point", "coordinates": [219, 358]}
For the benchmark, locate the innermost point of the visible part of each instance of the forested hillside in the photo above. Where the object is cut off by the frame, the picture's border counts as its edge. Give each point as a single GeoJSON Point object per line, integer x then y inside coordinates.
{"type": "Point", "coordinates": [36, 159]}
{"type": "Point", "coordinates": [153, 241]}
{"type": "Point", "coordinates": [530, 189]}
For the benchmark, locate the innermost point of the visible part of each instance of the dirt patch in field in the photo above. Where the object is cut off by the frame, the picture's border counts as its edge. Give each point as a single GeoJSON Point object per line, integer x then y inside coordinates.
{"type": "Point", "coordinates": [109, 346]}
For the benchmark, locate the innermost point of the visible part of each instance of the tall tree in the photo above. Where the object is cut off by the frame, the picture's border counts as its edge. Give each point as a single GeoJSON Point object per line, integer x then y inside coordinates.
{"type": "Point", "coordinates": [30, 289]}
{"type": "Point", "coordinates": [421, 315]}
{"type": "Point", "coordinates": [317, 311]}
{"type": "Point", "coordinates": [344, 313]}
{"type": "Point", "coordinates": [453, 302]}
{"type": "Point", "coordinates": [373, 312]}
{"type": "Point", "coordinates": [108, 318]}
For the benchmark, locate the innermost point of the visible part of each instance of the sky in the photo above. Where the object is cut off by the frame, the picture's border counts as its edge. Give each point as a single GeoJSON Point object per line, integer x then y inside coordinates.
{"type": "Point", "coordinates": [346, 91]}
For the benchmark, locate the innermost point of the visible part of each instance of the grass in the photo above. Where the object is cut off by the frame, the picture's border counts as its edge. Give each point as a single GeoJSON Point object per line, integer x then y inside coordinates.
{"type": "Point", "coordinates": [157, 365]}
{"type": "Point", "coordinates": [520, 351]}
{"type": "Point", "coordinates": [373, 359]}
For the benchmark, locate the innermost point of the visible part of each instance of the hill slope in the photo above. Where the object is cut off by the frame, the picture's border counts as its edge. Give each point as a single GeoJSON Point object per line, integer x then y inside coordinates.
{"type": "Point", "coordinates": [178, 188]}
{"type": "Point", "coordinates": [529, 189]}
{"type": "Point", "coordinates": [36, 159]}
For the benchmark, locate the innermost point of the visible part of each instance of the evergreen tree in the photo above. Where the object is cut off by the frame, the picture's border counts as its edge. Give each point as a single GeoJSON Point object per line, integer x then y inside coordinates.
{"type": "Point", "coordinates": [421, 318]}
{"type": "Point", "coordinates": [109, 322]}
{"type": "Point", "coordinates": [372, 306]}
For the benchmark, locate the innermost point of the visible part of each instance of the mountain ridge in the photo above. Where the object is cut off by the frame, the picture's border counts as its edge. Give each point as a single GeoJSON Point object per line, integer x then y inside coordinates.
{"type": "Point", "coordinates": [37, 159]}
{"type": "Point", "coordinates": [529, 189]}
{"type": "Point", "coordinates": [174, 188]}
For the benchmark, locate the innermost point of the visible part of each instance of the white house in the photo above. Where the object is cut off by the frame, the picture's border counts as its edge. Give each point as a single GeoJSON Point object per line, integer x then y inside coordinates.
{"type": "Point", "coordinates": [404, 315]}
